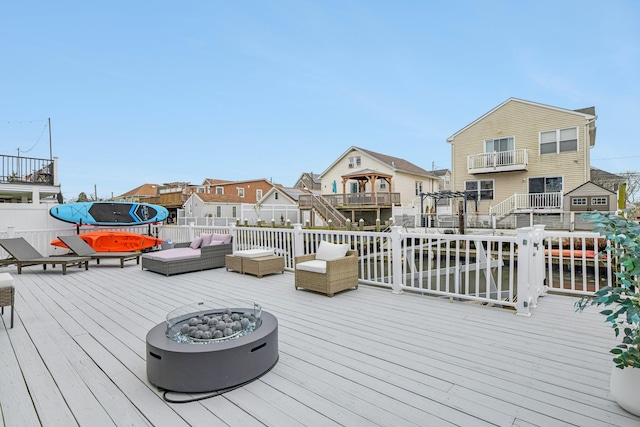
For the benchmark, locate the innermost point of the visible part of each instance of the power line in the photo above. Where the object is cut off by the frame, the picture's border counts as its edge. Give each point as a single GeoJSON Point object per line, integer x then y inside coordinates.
{"type": "Point", "coordinates": [618, 158]}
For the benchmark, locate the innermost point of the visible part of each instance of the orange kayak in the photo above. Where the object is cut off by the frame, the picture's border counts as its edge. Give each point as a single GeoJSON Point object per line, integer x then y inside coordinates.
{"type": "Point", "coordinates": [115, 241]}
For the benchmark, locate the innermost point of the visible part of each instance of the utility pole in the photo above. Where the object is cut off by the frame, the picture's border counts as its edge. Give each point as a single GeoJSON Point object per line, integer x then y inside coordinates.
{"type": "Point", "coordinates": [50, 150]}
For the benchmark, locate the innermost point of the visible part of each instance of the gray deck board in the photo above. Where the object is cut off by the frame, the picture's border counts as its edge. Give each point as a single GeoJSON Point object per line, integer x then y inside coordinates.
{"type": "Point", "coordinates": [76, 356]}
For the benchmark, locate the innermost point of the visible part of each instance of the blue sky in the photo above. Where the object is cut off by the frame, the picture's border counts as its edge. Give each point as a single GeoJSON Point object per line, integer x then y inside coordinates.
{"type": "Point", "coordinates": [159, 91]}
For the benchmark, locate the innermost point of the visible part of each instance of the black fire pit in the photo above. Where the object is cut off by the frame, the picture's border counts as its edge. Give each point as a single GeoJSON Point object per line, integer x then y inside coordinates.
{"type": "Point", "coordinates": [210, 346]}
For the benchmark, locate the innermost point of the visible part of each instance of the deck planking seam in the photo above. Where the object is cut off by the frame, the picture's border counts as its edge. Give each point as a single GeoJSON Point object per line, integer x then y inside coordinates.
{"type": "Point", "coordinates": [143, 296]}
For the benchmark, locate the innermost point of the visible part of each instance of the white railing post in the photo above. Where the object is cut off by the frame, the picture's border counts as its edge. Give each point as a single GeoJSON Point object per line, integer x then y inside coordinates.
{"type": "Point", "coordinates": [523, 240]}
{"type": "Point", "coordinates": [396, 260]}
{"type": "Point", "coordinates": [234, 237]}
{"type": "Point", "coordinates": [537, 266]}
{"type": "Point", "coordinates": [298, 240]}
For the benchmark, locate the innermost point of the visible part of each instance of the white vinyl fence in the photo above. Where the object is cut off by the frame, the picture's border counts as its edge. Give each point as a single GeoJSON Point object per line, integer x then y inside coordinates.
{"type": "Point", "coordinates": [511, 272]}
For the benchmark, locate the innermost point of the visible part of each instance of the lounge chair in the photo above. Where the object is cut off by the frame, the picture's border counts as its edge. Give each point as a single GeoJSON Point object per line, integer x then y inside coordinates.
{"type": "Point", "coordinates": [82, 248]}
{"type": "Point", "coordinates": [23, 255]}
{"type": "Point", "coordinates": [333, 268]}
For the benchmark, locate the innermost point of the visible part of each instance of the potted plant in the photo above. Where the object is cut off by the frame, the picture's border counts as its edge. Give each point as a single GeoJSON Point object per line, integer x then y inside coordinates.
{"type": "Point", "coordinates": [622, 304]}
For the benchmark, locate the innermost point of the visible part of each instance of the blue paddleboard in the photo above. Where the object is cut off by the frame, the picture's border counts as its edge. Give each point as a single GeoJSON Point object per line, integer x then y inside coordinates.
{"type": "Point", "coordinates": [109, 213]}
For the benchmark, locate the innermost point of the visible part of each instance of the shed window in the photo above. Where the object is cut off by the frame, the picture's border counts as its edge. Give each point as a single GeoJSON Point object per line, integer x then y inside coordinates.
{"type": "Point", "coordinates": [579, 201]}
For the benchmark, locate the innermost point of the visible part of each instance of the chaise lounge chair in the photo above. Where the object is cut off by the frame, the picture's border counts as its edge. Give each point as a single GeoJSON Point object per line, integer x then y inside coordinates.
{"type": "Point", "coordinates": [25, 255]}
{"type": "Point", "coordinates": [82, 248]}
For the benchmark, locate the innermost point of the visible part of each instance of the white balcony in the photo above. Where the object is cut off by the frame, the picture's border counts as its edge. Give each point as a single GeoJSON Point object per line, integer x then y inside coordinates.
{"type": "Point", "coordinates": [501, 161]}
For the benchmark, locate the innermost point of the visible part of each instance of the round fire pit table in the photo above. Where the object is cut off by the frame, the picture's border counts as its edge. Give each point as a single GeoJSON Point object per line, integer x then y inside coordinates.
{"type": "Point", "coordinates": [209, 346]}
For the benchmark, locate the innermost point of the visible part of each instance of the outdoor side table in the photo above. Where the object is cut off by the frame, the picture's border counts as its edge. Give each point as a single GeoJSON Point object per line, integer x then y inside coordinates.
{"type": "Point", "coordinates": [7, 293]}
{"type": "Point", "coordinates": [263, 265]}
{"type": "Point", "coordinates": [233, 262]}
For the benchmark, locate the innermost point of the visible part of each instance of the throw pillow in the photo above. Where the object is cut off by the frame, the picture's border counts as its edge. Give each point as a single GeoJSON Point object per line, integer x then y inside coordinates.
{"type": "Point", "coordinates": [328, 251]}
{"type": "Point", "coordinates": [196, 243]}
{"type": "Point", "coordinates": [224, 238]}
{"type": "Point", "coordinates": [206, 240]}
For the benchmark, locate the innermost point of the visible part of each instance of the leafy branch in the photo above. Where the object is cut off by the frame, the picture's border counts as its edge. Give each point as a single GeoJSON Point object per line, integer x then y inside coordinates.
{"type": "Point", "coordinates": [623, 248]}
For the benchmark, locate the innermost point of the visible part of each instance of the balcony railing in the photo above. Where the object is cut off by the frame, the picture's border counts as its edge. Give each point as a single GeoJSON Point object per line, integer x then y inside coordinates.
{"type": "Point", "coordinates": [26, 170]}
{"type": "Point", "coordinates": [500, 161]}
{"type": "Point", "coordinates": [363, 199]}
{"type": "Point", "coordinates": [528, 202]}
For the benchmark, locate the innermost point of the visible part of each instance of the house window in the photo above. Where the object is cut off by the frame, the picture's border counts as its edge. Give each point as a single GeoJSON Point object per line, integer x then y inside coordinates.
{"type": "Point", "coordinates": [383, 185]}
{"type": "Point", "coordinates": [258, 194]}
{"type": "Point", "coordinates": [418, 187]}
{"type": "Point", "coordinates": [559, 141]}
{"type": "Point", "coordinates": [275, 195]}
{"type": "Point", "coordinates": [479, 190]}
{"type": "Point", "coordinates": [503, 147]}
{"type": "Point", "coordinates": [218, 211]}
{"type": "Point", "coordinates": [200, 190]}
{"type": "Point", "coordinates": [599, 201]}
{"type": "Point", "coordinates": [551, 184]}
{"type": "Point", "coordinates": [498, 145]}
{"type": "Point", "coordinates": [234, 211]}
{"type": "Point", "coordinates": [240, 192]}
{"type": "Point", "coordinates": [354, 187]}
{"type": "Point", "coordinates": [219, 190]}
{"type": "Point", "coordinates": [354, 161]}
{"type": "Point", "coordinates": [578, 201]}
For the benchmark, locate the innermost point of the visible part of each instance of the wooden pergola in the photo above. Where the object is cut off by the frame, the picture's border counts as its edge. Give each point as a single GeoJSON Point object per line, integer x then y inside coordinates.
{"type": "Point", "coordinates": [364, 177]}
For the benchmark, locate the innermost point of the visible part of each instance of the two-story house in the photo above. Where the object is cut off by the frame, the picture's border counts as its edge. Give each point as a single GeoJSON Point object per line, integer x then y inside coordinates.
{"type": "Point", "coordinates": [363, 184]}
{"type": "Point", "coordinates": [522, 156]}
{"type": "Point", "coordinates": [225, 198]}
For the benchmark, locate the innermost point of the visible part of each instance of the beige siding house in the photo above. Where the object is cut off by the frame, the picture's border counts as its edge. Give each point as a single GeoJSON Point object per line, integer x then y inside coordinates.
{"type": "Point", "coordinates": [522, 156]}
{"type": "Point", "coordinates": [363, 184]}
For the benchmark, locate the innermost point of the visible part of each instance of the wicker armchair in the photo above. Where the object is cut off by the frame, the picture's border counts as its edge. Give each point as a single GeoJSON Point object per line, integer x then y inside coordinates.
{"type": "Point", "coordinates": [340, 274]}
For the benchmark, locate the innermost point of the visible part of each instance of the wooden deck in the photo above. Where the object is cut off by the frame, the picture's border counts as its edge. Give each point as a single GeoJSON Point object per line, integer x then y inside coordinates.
{"type": "Point", "coordinates": [76, 356]}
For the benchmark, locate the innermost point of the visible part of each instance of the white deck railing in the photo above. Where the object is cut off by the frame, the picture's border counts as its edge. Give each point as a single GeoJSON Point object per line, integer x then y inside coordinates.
{"type": "Point", "coordinates": [505, 271]}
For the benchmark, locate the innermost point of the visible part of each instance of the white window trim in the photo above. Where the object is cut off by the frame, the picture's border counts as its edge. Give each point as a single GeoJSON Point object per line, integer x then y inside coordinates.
{"type": "Point", "coordinates": [241, 192]}
{"type": "Point", "coordinates": [579, 201]}
{"type": "Point", "coordinates": [479, 189]}
{"type": "Point", "coordinates": [557, 141]}
{"type": "Point", "coordinates": [599, 201]}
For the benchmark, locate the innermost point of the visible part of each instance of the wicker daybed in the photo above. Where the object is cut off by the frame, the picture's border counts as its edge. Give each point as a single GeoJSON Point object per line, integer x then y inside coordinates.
{"type": "Point", "coordinates": [189, 256]}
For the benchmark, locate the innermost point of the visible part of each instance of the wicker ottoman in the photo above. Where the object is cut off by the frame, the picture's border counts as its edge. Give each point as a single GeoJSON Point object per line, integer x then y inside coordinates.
{"type": "Point", "coordinates": [233, 262]}
{"type": "Point", "coordinates": [263, 265]}
{"type": "Point", "coordinates": [7, 293]}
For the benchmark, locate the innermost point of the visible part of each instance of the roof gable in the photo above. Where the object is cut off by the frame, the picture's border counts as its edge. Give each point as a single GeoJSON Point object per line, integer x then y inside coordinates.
{"type": "Point", "coordinates": [587, 113]}
{"type": "Point", "coordinates": [395, 163]}
{"type": "Point", "coordinates": [590, 184]}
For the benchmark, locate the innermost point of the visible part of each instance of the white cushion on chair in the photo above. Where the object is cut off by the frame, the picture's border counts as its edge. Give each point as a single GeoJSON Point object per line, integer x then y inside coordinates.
{"type": "Point", "coordinates": [5, 280]}
{"type": "Point", "coordinates": [254, 253]}
{"type": "Point", "coordinates": [328, 251]}
{"type": "Point", "coordinates": [314, 266]}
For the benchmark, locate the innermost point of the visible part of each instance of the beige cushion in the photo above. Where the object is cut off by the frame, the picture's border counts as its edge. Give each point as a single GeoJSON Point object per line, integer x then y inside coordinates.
{"type": "Point", "coordinates": [254, 253]}
{"type": "Point", "coordinates": [314, 266]}
{"type": "Point", "coordinates": [328, 251]}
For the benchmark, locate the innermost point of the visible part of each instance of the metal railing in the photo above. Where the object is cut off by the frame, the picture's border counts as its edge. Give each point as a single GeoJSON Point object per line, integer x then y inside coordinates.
{"type": "Point", "coordinates": [14, 169]}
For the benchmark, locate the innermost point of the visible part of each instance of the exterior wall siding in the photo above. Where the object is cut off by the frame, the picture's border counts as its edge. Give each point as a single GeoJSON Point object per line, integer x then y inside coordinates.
{"type": "Point", "coordinates": [524, 122]}
{"type": "Point", "coordinates": [402, 183]}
